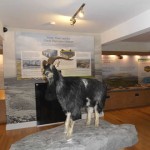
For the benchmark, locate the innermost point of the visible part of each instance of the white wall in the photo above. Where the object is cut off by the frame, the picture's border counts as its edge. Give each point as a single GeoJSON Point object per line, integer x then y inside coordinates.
{"type": "Point", "coordinates": [1, 37]}
{"type": "Point", "coordinates": [1, 72]}
{"type": "Point", "coordinates": [127, 46]}
{"type": "Point", "coordinates": [9, 54]}
{"type": "Point", "coordinates": [1, 57]}
{"type": "Point", "coordinates": [1, 31]}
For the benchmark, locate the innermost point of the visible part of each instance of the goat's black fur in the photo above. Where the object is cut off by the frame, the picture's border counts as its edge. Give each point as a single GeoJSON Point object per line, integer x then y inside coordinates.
{"type": "Point", "coordinates": [50, 93]}
{"type": "Point", "coordinates": [74, 92]}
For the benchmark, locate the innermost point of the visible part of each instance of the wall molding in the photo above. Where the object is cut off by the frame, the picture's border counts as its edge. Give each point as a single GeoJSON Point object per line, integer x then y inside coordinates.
{"type": "Point", "coordinates": [21, 125]}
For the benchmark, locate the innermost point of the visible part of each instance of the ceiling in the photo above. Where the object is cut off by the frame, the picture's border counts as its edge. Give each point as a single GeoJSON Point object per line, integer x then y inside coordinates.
{"type": "Point", "coordinates": [100, 15]}
{"type": "Point", "coordinates": [145, 37]}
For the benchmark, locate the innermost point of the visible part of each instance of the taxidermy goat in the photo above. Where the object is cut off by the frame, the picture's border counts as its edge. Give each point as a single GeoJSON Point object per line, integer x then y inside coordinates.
{"type": "Point", "coordinates": [73, 93]}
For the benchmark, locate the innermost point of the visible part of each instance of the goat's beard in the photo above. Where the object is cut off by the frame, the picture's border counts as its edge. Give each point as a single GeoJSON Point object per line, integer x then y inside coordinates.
{"type": "Point", "coordinates": [50, 80]}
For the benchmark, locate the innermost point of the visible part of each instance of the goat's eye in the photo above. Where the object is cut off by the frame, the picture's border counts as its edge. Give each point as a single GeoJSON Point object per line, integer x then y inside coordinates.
{"type": "Point", "coordinates": [46, 73]}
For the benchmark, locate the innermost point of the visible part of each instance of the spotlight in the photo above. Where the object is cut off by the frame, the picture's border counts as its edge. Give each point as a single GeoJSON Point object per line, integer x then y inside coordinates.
{"type": "Point", "coordinates": [72, 21]}
{"type": "Point", "coordinates": [78, 12]}
{"type": "Point", "coordinates": [120, 57]}
{"type": "Point", "coordinates": [81, 13]}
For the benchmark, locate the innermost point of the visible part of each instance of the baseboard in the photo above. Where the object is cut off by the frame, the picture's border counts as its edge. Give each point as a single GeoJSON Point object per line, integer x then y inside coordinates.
{"type": "Point", "coordinates": [34, 123]}
{"type": "Point", "coordinates": [21, 125]}
{"type": "Point", "coordinates": [50, 124]}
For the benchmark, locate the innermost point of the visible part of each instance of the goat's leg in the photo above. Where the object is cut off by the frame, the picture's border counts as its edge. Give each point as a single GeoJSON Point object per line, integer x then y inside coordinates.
{"type": "Point", "coordinates": [67, 122]}
{"type": "Point", "coordinates": [89, 115]}
{"type": "Point", "coordinates": [70, 130]}
{"type": "Point", "coordinates": [96, 117]}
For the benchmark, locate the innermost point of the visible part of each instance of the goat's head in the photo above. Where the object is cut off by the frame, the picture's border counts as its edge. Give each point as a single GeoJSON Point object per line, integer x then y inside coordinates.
{"type": "Point", "coordinates": [47, 70]}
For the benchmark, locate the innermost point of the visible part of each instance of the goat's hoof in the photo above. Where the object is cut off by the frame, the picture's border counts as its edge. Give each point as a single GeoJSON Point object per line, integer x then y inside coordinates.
{"type": "Point", "coordinates": [69, 140]}
{"type": "Point", "coordinates": [96, 125]}
{"type": "Point", "coordinates": [68, 137]}
{"type": "Point", "coordinates": [88, 124]}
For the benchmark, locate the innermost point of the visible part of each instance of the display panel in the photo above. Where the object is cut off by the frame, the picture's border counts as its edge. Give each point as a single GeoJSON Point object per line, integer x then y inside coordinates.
{"type": "Point", "coordinates": [47, 111]}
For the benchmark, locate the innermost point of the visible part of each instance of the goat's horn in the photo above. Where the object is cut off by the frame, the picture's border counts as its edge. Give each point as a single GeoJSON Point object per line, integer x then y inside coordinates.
{"type": "Point", "coordinates": [51, 60]}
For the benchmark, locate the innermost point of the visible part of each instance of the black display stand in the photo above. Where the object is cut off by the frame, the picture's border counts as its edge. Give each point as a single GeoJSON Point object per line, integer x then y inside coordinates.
{"type": "Point", "coordinates": [47, 111]}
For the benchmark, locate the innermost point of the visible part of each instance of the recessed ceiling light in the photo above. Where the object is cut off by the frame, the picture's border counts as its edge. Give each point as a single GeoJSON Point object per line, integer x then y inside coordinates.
{"type": "Point", "coordinates": [52, 22]}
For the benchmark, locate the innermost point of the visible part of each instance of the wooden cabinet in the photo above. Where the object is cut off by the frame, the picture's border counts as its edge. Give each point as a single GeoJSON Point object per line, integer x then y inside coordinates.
{"type": "Point", "coordinates": [127, 99]}
{"type": "Point", "coordinates": [2, 112]}
{"type": "Point", "coordinates": [2, 107]}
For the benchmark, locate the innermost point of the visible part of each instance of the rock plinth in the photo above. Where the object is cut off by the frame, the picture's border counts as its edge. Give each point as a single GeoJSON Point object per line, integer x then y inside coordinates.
{"type": "Point", "coordinates": [105, 137]}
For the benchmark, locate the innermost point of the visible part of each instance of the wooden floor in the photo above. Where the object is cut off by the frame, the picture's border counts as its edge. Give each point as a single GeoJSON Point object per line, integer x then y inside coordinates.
{"type": "Point", "coordinates": [140, 117]}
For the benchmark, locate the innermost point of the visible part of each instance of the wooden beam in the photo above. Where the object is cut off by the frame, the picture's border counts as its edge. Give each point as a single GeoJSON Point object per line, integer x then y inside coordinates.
{"type": "Point", "coordinates": [124, 53]}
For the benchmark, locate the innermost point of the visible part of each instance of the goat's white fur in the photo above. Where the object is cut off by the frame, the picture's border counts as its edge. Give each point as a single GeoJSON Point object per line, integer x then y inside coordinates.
{"type": "Point", "coordinates": [96, 116]}
{"type": "Point", "coordinates": [70, 130]}
{"type": "Point", "coordinates": [85, 82]}
{"type": "Point", "coordinates": [88, 101]}
{"type": "Point", "coordinates": [69, 124]}
{"type": "Point", "coordinates": [89, 115]}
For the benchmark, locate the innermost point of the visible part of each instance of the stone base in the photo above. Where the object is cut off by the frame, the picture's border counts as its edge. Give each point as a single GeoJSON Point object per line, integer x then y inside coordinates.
{"type": "Point", "coordinates": [106, 137]}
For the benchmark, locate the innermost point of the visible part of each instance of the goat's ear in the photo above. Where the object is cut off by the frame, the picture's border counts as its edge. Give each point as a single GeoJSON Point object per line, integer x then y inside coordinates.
{"type": "Point", "coordinates": [44, 63]}
{"type": "Point", "coordinates": [52, 67]}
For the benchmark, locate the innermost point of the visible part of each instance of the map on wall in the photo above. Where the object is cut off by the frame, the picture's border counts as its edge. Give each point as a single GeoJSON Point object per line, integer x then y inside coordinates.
{"type": "Point", "coordinates": [33, 48]}
{"type": "Point", "coordinates": [144, 71]}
